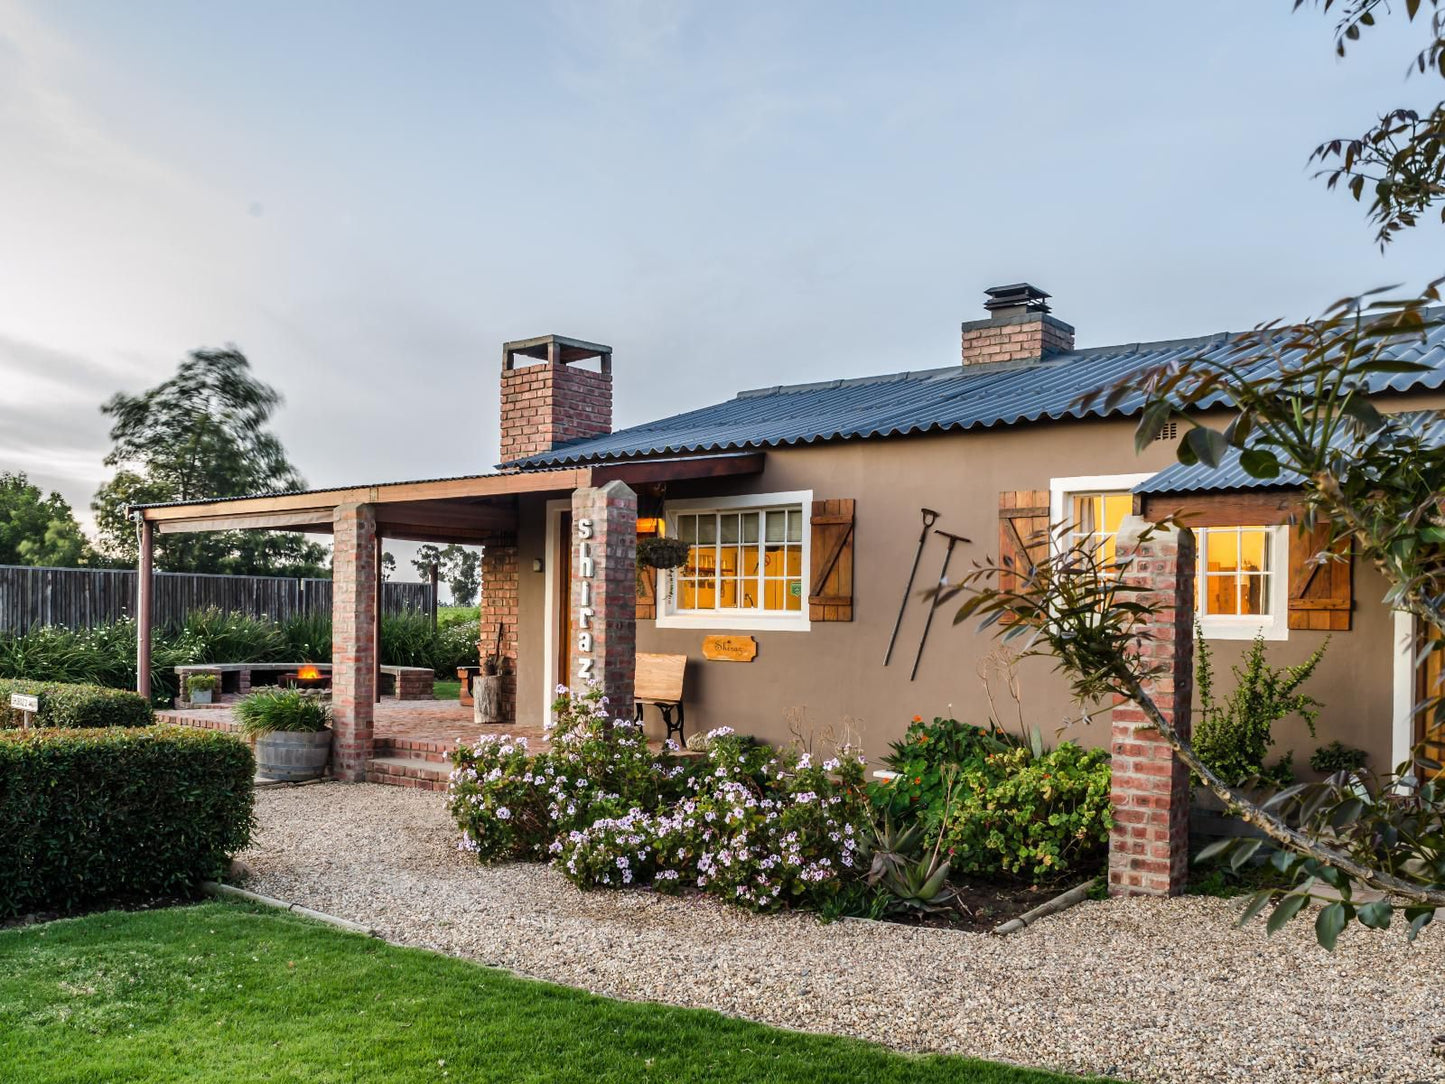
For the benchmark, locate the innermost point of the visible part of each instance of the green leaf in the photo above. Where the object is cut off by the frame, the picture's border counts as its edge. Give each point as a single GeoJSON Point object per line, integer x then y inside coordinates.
{"type": "Point", "coordinates": [1287, 909]}
{"type": "Point", "coordinates": [1376, 915]}
{"type": "Point", "coordinates": [1214, 850]}
{"type": "Point", "coordinates": [1329, 924]}
{"type": "Point", "coordinates": [1244, 852]}
{"type": "Point", "coordinates": [1208, 445]}
{"type": "Point", "coordinates": [1259, 463]}
{"type": "Point", "coordinates": [1257, 903]}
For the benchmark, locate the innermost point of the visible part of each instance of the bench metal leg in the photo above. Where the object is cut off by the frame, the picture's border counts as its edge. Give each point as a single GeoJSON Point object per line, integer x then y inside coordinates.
{"type": "Point", "coordinates": [674, 726]}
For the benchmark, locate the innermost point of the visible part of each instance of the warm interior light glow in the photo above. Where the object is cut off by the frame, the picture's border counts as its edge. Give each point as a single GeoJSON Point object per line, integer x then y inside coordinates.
{"type": "Point", "coordinates": [308, 673]}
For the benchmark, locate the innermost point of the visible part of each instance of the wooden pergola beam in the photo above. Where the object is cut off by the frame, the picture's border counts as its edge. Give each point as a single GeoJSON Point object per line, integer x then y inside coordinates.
{"type": "Point", "coordinates": [488, 485]}
{"type": "Point", "coordinates": [1265, 508]}
{"type": "Point", "coordinates": [311, 520]}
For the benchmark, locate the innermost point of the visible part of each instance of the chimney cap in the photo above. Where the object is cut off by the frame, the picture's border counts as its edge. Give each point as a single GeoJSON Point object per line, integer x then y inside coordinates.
{"type": "Point", "coordinates": [1016, 297]}
{"type": "Point", "coordinates": [558, 347]}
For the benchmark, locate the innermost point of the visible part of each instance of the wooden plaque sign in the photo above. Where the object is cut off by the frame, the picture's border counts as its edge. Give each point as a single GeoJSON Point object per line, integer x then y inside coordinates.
{"type": "Point", "coordinates": [729, 648]}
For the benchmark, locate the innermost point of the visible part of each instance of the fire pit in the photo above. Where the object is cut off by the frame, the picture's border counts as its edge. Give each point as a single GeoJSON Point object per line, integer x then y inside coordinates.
{"type": "Point", "coordinates": [306, 677]}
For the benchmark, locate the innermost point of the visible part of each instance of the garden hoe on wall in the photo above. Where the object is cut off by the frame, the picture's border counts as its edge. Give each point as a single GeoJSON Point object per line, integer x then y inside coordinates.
{"type": "Point", "coordinates": [953, 540]}
{"type": "Point", "coordinates": [930, 517]}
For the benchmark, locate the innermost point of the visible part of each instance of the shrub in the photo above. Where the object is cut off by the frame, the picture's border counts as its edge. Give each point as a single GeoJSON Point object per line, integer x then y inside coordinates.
{"type": "Point", "coordinates": [759, 828]}
{"type": "Point", "coordinates": [1337, 757]}
{"type": "Point", "coordinates": [923, 757]}
{"type": "Point", "coordinates": [792, 839]}
{"type": "Point", "coordinates": [1233, 737]}
{"type": "Point", "coordinates": [284, 710]}
{"type": "Point", "coordinates": [89, 816]}
{"type": "Point", "coordinates": [202, 683]}
{"type": "Point", "coordinates": [76, 706]}
{"type": "Point", "coordinates": [1035, 817]}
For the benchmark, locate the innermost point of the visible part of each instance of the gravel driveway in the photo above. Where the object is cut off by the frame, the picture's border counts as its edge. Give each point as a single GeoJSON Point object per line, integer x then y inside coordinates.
{"type": "Point", "coordinates": [1147, 990]}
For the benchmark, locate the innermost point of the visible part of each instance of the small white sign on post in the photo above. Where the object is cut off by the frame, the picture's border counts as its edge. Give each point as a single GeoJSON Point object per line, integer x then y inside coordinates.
{"type": "Point", "coordinates": [27, 704]}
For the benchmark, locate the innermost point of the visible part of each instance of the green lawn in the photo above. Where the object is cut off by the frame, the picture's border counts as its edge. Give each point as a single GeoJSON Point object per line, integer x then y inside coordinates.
{"type": "Point", "coordinates": [226, 993]}
{"type": "Point", "coordinates": [446, 690]}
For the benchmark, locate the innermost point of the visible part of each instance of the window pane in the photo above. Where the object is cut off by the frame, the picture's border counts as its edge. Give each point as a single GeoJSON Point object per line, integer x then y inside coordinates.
{"type": "Point", "coordinates": [777, 527]}
{"type": "Point", "coordinates": [687, 528]}
{"type": "Point", "coordinates": [795, 527]}
{"type": "Point", "coordinates": [795, 561]}
{"type": "Point", "coordinates": [795, 595]}
{"type": "Point", "coordinates": [1116, 507]}
{"type": "Point", "coordinates": [750, 562]}
{"type": "Point", "coordinates": [729, 561]}
{"type": "Point", "coordinates": [1086, 514]}
{"type": "Point", "coordinates": [1222, 594]}
{"type": "Point", "coordinates": [750, 526]}
{"type": "Point", "coordinates": [1221, 551]}
{"type": "Point", "coordinates": [707, 529]}
{"type": "Point", "coordinates": [1253, 597]}
{"type": "Point", "coordinates": [686, 595]}
{"type": "Point", "coordinates": [729, 593]}
{"type": "Point", "coordinates": [706, 595]}
{"type": "Point", "coordinates": [728, 528]}
{"type": "Point", "coordinates": [1253, 549]}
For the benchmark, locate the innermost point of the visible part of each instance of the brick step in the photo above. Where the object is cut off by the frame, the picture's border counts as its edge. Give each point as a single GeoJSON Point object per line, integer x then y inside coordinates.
{"type": "Point", "coordinates": [435, 752]}
{"type": "Point", "coordinates": [407, 772]}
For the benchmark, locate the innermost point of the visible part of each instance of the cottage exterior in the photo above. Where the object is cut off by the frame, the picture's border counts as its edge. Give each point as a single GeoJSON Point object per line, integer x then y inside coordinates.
{"type": "Point", "coordinates": [803, 507]}
{"type": "Point", "coordinates": [999, 448]}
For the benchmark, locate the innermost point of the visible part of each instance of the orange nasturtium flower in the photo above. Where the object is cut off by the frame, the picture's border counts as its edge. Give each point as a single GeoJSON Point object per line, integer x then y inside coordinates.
{"type": "Point", "coordinates": [918, 718]}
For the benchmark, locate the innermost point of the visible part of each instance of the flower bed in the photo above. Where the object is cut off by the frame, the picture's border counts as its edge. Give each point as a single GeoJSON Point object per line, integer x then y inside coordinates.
{"type": "Point", "coordinates": [765, 828]}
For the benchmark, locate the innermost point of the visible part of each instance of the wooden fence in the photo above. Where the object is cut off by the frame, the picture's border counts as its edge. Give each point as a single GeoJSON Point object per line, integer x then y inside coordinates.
{"type": "Point", "coordinates": [85, 597]}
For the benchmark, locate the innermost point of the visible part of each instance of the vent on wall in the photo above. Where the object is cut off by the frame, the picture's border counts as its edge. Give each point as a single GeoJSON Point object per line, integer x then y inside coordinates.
{"type": "Point", "coordinates": [1170, 431]}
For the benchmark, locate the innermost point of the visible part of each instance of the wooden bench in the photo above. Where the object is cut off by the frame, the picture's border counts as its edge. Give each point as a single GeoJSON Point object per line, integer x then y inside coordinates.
{"type": "Point", "coordinates": [658, 680]}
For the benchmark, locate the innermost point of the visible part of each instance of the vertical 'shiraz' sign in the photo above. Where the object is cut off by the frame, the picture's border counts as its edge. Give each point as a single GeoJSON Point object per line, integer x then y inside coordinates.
{"type": "Point", "coordinates": [586, 568]}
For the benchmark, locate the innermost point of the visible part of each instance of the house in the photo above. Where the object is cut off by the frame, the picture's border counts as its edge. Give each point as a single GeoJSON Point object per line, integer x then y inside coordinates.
{"type": "Point", "coordinates": [803, 509]}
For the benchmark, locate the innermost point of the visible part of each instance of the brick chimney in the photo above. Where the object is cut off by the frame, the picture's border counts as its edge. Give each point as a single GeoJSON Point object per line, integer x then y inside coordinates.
{"type": "Point", "coordinates": [552, 401]}
{"type": "Point", "coordinates": [1018, 328]}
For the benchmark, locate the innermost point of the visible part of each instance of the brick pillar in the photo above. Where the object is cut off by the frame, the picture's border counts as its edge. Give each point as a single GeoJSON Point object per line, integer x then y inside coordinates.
{"type": "Point", "coordinates": [353, 640]}
{"type": "Point", "coordinates": [604, 592]}
{"type": "Point", "coordinates": [499, 604]}
{"type": "Point", "coordinates": [1149, 844]}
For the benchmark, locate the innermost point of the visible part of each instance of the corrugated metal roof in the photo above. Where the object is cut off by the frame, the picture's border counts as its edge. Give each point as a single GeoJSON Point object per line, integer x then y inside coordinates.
{"type": "Point", "coordinates": [1230, 475]}
{"type": "Point", "coordinates": [958, 397]}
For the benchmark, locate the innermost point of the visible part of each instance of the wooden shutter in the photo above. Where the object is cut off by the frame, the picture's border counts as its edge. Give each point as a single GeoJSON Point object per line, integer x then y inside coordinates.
{"type": "Point", "coordinates": [1023, 534]}
{"type": "Point", "coordinates": [1321, 593]}
{"type": "Point", "coordinates": [830, 594]}
{"type": "Point", "coordinates": [646, 585]}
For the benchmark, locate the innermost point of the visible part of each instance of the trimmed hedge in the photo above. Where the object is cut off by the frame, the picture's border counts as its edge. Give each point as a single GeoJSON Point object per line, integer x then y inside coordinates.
{"type": "Point", "coordinates": [92, 816]}
{"type": "Point", "coordinates": [75, 706]}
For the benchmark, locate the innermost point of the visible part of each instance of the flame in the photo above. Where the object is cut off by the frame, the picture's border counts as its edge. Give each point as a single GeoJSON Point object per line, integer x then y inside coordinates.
{"type": "Point", "coordinates": [308, 673]}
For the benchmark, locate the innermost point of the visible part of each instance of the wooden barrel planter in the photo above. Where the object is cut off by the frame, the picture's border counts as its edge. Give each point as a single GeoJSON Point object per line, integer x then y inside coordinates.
{"type": "Point", "coordinates": [293, 756]}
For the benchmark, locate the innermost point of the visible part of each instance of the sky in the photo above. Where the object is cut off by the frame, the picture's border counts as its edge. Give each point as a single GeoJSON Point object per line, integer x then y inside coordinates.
{"type": "Point", "coordinates": [370, 198]}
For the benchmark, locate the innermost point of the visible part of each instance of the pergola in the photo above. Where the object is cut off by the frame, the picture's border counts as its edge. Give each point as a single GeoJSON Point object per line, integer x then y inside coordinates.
{"type": "Point", "coordinates": [478, 510]}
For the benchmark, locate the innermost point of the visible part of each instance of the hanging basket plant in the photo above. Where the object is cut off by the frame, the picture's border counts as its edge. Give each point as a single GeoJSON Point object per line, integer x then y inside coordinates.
{"type": "Point", "coordinates": [661, 553]}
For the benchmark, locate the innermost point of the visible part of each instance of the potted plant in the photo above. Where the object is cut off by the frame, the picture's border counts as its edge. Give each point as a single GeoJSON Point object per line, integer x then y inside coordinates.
{"type": "Point", "coordinates": [290, 732]}
{"type": "Point", "coordinates": [201, 687]}
{"type": "Point", "coordinates": [663, 554]}
{"type": "Point", "coordinates": [487, 686]}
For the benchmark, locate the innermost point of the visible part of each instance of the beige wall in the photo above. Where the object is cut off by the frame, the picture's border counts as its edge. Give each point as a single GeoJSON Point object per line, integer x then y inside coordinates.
{"type": "Point", "coordinates": [835, 672]}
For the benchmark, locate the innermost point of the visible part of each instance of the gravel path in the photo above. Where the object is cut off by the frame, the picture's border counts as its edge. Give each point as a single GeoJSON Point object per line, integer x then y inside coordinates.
{"type": "Point", "coordinates": [1146, 990]}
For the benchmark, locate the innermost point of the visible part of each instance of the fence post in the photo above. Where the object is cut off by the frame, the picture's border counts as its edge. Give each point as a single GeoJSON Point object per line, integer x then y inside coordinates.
{"type": "Point", "coordinates": [432, 580]}
{"type": "Point", "coordinates": [144, 583]}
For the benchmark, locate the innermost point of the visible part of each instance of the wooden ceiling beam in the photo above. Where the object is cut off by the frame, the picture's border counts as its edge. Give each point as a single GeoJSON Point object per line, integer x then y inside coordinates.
{"type": "Point", "coordinates": [309, 521]}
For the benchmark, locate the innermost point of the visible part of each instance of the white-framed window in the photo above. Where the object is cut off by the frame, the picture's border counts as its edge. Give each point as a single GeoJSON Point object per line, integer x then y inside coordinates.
{"type": "Point", "coordinates": [1241, 588]}
{"type": "Point", "coordinates": [1242, 577]}
{"type": "Point", "coordinates": [1092, 507]}
{"type": "Point", "coordinates": [747, 565]}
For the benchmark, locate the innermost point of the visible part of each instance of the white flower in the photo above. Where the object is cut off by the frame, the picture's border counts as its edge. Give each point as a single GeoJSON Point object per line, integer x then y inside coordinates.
{"type": "Point", "coordinates": [503, 813]}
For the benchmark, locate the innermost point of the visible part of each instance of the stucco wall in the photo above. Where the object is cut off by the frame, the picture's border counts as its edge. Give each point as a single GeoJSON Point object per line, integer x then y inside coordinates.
{"type": "Point", "coordinates": [834, 674]}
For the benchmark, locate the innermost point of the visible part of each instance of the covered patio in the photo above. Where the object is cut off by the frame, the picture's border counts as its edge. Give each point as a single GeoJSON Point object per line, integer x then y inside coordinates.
{"type": "Point", "coordinates": [597, 598]}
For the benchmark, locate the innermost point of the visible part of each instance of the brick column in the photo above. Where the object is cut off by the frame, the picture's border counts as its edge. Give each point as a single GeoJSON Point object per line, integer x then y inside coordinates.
{"type": "Point", "coordinates": [499, 605]}
{"type": "Point", "coordinates": [1149, 844]}
{"type": "Point", "coordinates": [604, 592]}
{"type": "Point", "coordinates": [353, 640]}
